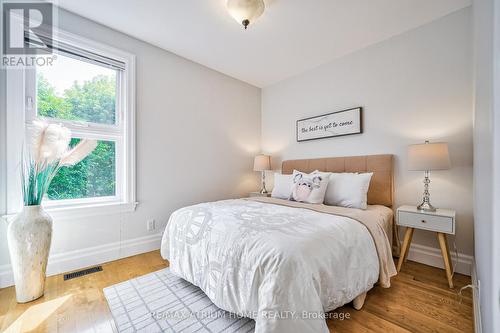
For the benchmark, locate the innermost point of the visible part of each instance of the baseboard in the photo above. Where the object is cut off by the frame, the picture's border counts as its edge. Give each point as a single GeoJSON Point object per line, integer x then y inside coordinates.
{"type": "Point", "coordinates": [478, 328]}
{"type": "Point", "coordinates": [73, 260]}
{"type": "Point", "coordinates": [432, 257]}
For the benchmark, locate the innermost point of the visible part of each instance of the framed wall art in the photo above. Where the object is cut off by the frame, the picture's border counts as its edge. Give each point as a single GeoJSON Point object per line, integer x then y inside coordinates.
{"type": "Point", "coordinates": [339, 123]}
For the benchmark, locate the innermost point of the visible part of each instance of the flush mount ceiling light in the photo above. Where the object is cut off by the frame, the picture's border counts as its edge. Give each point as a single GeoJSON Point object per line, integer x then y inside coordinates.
{"type": "Point", "coordinates": [245, 11]}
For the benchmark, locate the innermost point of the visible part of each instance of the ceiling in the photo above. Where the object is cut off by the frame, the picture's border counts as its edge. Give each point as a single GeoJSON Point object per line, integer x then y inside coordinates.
{"type": "Point", "coordinates": [291, 36]}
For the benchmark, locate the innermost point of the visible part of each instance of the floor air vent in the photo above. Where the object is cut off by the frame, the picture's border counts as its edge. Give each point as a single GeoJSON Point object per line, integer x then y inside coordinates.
{"type": "Point", "coordinates": [83, 272]}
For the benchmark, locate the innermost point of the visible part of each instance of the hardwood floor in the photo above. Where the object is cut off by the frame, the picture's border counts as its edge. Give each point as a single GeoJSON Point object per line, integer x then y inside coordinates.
{"type": "Point", "coordinates": [418, 301]}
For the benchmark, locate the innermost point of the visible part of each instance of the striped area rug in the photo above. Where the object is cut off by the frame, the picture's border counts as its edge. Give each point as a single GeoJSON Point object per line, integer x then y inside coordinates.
{"type": "Point", "coordinates": [163, 302]}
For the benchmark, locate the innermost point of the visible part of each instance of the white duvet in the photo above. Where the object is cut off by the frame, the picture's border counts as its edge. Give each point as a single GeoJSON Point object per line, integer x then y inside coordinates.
{"type": "Point", "coordinates": [282, 266]}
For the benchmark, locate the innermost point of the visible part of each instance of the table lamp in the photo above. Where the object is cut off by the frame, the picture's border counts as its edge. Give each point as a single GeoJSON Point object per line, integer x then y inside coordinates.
{"type": "Point", "coordinates": [262, 163]}
{"type": "Point", "coordinates": [427, 157]}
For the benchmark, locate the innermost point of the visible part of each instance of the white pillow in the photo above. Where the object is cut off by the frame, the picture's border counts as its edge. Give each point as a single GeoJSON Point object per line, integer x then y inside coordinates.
{"type": "Point", "coordinates": [348, 189]}
{"type": "Point", "coordinates": [309, 188]}
{"type": "Point", "coordinates": [282, 186]}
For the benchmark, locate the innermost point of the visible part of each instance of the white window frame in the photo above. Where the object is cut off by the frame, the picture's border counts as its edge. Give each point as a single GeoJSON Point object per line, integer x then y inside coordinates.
{"type": "Point", "coordinates": [21, 111]}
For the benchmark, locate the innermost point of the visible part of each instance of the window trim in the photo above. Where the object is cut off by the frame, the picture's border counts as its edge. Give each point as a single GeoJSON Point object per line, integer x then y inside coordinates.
{"type": "Point", "coordinates": [17, 114]}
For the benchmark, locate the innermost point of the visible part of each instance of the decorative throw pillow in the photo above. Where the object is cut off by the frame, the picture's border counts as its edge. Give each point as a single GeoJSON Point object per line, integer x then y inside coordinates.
{"type": "Point", "coordinates": [348, 189]}
{"type": "Point", "coordinates": [282, 186]}
{"type": "Point", "coordinates": [309, 188]}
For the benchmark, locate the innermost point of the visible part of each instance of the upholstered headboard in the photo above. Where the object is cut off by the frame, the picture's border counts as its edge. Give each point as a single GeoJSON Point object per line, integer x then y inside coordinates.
{"type": "Point", "coordinates": [381, 185]}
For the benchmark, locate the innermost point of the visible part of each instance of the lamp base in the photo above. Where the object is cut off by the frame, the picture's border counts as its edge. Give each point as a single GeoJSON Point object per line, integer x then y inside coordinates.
{"type": "Point", "coordinates": [426, 207]}
{"type": "Point", "coordinates": [263, 190]}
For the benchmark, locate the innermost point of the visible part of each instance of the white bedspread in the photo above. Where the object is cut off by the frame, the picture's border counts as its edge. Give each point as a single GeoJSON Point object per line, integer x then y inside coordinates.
{"type": "Point", "coordinates": [280, 265]}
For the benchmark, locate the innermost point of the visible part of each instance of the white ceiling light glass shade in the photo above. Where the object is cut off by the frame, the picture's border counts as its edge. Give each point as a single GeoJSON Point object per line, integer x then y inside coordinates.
{"type": "Point", "coordinates": [245, 11]}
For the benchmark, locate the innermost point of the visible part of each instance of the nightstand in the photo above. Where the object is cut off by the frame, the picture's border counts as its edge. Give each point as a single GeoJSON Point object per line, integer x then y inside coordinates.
{"type": "Point", "coordinates": [442, 222]}
{"type": "Point", "coordinates": [258, 194]}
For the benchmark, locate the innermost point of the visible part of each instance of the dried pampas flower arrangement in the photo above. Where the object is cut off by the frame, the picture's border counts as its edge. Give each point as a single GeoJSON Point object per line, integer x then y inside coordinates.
{"type": "Point", "coordinates": [49, 151]}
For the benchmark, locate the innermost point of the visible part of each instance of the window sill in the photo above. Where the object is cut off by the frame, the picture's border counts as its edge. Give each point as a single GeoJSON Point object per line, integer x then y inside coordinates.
{"type": "Point", "coordinates": [81, 211]}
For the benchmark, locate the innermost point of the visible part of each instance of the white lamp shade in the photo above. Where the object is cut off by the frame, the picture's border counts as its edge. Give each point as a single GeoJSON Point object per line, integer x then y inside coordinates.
{"type": "Point", "coordinates": [262, 162]}
{"type": "Point", "coordinates": [428, 156]}
{"type": "Point", "coordinates": [242, 10]}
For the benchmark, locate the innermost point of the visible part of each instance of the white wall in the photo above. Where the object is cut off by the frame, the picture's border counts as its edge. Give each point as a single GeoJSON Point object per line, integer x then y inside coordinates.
{"type": "Point", "coordinates": [197, 133]}
{"type": "Point", "coordinates": [3, 165]}
{"type": "Point", "coordinates": [487, 159]}
{"type": "Point", "coordinates": [413, 87]}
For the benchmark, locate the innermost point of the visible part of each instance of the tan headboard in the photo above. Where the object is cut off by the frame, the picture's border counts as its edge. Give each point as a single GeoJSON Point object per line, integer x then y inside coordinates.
{"type": "Point", "coordinates": [381, 185]}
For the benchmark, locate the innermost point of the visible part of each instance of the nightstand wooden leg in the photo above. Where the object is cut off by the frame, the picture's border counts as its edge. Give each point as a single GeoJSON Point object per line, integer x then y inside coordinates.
{"type": "Point", "coordinates": [443, 243]}
{"type": "Point", "coordinates": [406, 247]}
{"type": "Point", "coordinates": [409, 244]}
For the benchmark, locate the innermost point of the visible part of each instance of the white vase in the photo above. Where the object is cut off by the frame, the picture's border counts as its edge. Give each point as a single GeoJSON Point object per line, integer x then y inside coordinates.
{"type": "Point", "coordinates": [29, 237]}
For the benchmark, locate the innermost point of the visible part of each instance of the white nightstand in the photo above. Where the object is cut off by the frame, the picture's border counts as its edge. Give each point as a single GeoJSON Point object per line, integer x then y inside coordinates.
{"type": "Point", "coordinates": [442, 221]}
{"type": "Point", "coordinates": [258, 194]}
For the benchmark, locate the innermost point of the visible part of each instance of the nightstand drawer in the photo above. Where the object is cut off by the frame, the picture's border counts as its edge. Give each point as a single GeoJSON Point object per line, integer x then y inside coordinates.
{"type": "Point", "coordinates": [442, 224]}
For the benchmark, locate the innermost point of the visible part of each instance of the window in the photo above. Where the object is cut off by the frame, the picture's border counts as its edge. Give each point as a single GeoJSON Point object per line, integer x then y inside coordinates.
{"type": "Point", "coordinates": [83, 96]}
{"type": "Point", "coordinates": [72, 89]}
{"type": "Point", "coordinates": [89, 88]}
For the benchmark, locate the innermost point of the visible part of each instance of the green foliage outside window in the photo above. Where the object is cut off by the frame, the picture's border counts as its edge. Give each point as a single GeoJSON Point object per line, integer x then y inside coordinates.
{"type": "Point", "coordinates": [92, 101]}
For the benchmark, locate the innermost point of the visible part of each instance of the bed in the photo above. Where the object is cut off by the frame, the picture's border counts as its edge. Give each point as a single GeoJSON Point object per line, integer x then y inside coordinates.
{"type": "Point", "coordinates": [284, 263]}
